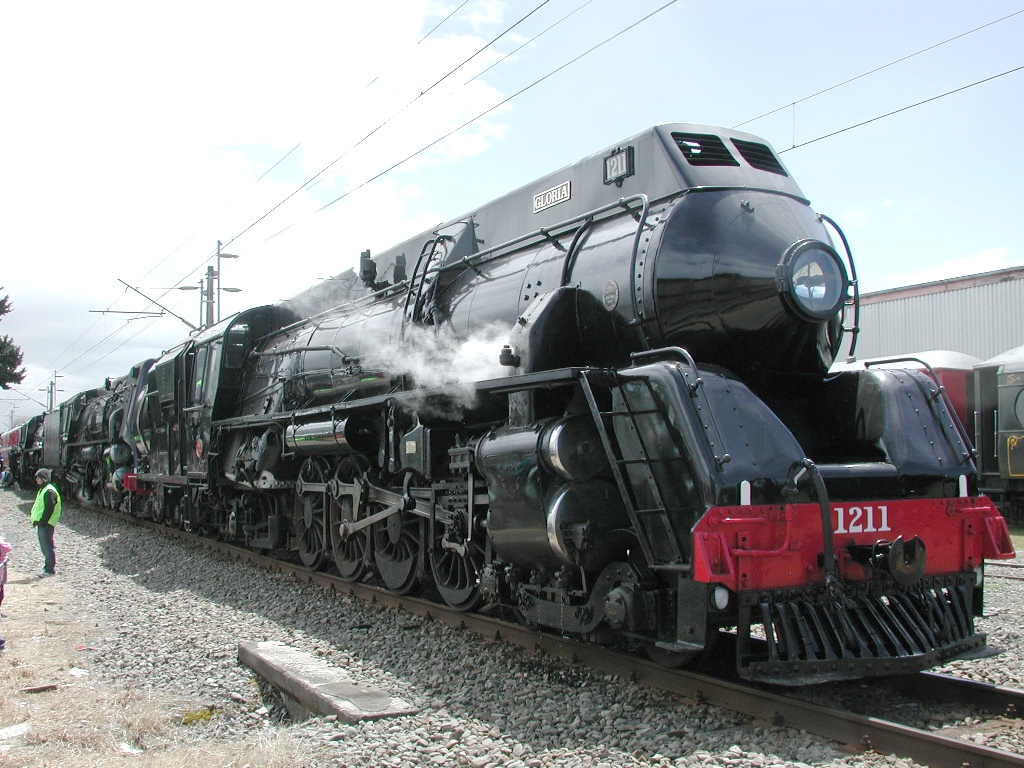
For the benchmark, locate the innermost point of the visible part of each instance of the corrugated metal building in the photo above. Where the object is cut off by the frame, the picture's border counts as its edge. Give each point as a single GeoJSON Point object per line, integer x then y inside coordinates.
{"type": "Point", "coordinates": [980, 315]}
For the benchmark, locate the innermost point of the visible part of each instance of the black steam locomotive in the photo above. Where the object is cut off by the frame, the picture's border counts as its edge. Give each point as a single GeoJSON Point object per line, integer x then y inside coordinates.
{"type": "Point", "coordinates": [600, 404]}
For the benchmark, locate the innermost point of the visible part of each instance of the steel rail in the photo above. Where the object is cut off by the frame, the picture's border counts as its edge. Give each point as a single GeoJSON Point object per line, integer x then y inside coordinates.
{"type": "Point", "coordinates": [937, 686]}
{"type": "Point", "coordinates": [989, 574]}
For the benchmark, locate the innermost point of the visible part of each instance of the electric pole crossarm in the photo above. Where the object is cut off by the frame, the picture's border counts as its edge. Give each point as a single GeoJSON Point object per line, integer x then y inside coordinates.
{"type": "Point", "coordinates": [165, 309]}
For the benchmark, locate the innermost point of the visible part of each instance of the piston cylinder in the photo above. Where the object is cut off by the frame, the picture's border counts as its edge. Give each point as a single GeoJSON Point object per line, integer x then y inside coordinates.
{"type": "Point", "coordinates": [346, 436]}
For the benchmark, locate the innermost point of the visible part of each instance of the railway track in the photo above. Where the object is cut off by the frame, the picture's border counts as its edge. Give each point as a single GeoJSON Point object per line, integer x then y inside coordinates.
{"type": "Point", "coordinates": [856, 731]}
{"type": "Point", "coordinates": [1013, 571]}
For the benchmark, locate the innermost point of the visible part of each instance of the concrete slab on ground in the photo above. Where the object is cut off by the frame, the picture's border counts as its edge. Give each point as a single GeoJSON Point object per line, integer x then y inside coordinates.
{"type": "Point", "coordinates": [318, 687]}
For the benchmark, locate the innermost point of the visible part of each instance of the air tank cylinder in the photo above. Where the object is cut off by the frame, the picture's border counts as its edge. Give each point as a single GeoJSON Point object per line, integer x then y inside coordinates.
{"type": "Point", "coordinates": [549, 505]}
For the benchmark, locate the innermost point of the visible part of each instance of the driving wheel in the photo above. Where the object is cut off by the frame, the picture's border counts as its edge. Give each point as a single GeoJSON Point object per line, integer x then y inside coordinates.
{"type": "Point", "coordinates": [311, 513]}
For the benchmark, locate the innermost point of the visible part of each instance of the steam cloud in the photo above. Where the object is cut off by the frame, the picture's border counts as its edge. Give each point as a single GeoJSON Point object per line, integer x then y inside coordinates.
{"type": "Point", "coordinates": [440, 358]}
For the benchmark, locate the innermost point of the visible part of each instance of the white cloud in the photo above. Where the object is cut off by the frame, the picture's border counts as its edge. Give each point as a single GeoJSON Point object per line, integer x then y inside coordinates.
{"type": "Point", "coordinates": [856, 218]}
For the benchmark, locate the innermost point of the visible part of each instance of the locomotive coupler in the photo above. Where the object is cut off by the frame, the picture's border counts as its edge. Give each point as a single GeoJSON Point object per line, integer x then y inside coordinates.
{"type": "Point", "coordinates": [905, 561]}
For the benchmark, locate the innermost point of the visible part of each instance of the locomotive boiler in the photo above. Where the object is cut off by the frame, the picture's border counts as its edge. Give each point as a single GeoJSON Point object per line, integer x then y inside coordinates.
{"type": "Point", "coordinates": [647, 451]}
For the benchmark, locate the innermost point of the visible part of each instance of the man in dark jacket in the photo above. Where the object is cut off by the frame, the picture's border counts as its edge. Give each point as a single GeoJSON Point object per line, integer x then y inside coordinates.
{"type": "Point", "coordinates": [45, 515]}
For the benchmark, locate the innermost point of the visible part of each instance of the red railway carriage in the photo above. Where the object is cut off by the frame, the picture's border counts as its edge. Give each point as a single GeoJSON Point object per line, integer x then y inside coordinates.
{"type": "Point", "coordinates": [21, 449]}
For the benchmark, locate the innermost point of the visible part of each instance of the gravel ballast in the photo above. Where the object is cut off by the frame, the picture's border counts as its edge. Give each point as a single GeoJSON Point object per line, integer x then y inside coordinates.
{"type": "Point", "coordinates": [167, 617]}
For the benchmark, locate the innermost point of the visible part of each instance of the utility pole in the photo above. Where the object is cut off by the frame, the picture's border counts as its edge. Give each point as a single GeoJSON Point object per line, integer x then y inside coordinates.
{"type": "Point", "coordinates": [211, 297]}
{"type": "Point", "coordinates": [54, 390]}
{"type": "Point", "coordinates": [222, 255]}
{"type": "Point", "coordinates": [13, 416]}
{"type": "Point", "coordinates": [209, 293]}
{"type": "Point", "coordinates": [51, 392]}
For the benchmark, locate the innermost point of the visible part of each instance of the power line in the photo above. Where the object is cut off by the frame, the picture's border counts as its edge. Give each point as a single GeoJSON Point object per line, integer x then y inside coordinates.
{"type": "Point", "coordinates": [481, 50]}
{"type": "Point", "coordinates": [442, 21]}
{"type": "Point", "coordinates": [279, 161]}
{"type": "Point", "coordinates": [878, 69]}
{"type": "Point", "coordinates": [514, 51]}
{"type": "Point", "coordinates": [27, 397]}
{"type": "Point", "coordinates": [904, 109]}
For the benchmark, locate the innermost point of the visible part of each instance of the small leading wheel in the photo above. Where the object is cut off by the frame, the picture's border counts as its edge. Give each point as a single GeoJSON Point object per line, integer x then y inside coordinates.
{"type": "Point", "coordinates": [311, 514]}
{"type": "Point", "coordinates": [396, 551]}
{"type": "Point", "coordinates": [455, 562]}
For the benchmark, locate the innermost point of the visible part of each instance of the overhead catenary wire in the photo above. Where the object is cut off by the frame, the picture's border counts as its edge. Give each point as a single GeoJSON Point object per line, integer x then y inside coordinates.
{"type": "Point", "coordinates": [514, 51]}
{"type": "Point", "coordinates": [442, 21]}
{"type": "Point", "coordinates": [903, 109]}
{"type": "Point", "coordinates": [878, 69]}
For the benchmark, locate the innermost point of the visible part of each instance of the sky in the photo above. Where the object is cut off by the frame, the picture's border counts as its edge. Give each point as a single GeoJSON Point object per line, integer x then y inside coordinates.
{"type": "Point", "coordinates": [138, 135]}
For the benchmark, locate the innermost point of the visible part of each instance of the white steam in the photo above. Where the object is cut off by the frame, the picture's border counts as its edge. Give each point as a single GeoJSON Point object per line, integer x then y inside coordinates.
{"type": "Point", "coordinates": [438, 358]}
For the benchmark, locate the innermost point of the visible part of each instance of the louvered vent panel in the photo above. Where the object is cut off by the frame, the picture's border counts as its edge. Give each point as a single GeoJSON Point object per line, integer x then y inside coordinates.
{"type": "Point", "coordinates": [759, 156]}
{"type": "Point", "coordinates": [703, 149]}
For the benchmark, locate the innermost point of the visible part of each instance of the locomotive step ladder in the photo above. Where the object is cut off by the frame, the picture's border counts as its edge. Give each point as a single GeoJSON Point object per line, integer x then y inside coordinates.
{"type": "Point", "coordinates": [635, 467]}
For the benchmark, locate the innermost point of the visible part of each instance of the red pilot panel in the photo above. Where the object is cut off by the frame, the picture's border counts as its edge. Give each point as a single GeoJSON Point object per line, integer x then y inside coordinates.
{"type": "Point", "coordinates": [771, 547]}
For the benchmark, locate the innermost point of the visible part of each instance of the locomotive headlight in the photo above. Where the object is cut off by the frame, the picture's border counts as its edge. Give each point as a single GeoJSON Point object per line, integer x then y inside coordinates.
{"type": "Point", "coordinates": [812, 280]}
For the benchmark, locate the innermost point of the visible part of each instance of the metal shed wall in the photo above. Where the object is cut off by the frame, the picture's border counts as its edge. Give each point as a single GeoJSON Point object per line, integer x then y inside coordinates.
{"type": "Point", "coordinates": [982, 318]}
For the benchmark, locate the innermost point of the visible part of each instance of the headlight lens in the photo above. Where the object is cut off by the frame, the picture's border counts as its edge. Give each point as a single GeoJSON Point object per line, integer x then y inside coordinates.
{"type": "Point", "coordinates": [812, 280]}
